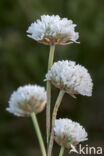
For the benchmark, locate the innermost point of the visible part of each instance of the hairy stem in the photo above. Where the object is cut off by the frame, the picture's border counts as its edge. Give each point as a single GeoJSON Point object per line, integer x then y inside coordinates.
{"type": "Point", "coordinates": [37, 129]}
{"type": "Point", "coordinates": [61, 151]}
{"type": "Point", "coordinates": [48, 107]}
{"type": "Point", "coordinates": [55, 110]}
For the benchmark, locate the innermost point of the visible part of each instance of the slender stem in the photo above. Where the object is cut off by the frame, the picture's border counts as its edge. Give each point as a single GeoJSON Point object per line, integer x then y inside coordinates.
{"type": "Point", "coordinates": [55, 110]}
{"type": "Point", "coordinates": [37, 129]}
{"type": "Point", "coordinates": [50, 62]}
{"type": "Point", "coordinates": [61, 151]}
{"type": "Point", "coordinates": [51, 56]}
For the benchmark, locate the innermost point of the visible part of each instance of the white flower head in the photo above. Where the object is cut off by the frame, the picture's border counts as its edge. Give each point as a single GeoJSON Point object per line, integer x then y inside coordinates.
{"type": "Point", "coordinates": [52, 30]}
{"type": "Point", "coordinates": [72, 78]}
{"type": "Point", "coordinates": [67, 132]}
{"type": "Point", "coordinates": [26, 99]}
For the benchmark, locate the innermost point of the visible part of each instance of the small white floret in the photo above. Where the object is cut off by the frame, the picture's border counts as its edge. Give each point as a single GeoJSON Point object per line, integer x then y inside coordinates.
{"type": "Point", "coordinates": [68, 132]}
{"type": "Point", "coordinates": [53, 30]}
{"type": "Point", "coordinates": [27, 99]}
{"type": "Point", "coordinates": [72, 78]}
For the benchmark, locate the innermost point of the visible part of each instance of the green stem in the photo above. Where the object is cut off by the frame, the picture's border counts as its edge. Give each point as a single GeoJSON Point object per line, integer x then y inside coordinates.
{"type": "Point", "coordinates": [37, 129]}
{"type": "Point", "coordinates": [55, 110]}
{"type": "Point", "coordinates": [48, 107]}
{"type": "Point", "coordinates": [61, 151]}
{"type": "Point", "coordinates": [51, 56]}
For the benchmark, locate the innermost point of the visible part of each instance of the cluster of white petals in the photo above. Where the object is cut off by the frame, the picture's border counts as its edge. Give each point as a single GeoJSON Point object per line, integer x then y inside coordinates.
{"type": "Point", "coordinates": [72, 78]}
{"type": "Point", "coordinates": [68, 132]}
{"type": "Point", "coordinates": [53, 30]}
{"type": "Point", "coordinates": [26, 99]}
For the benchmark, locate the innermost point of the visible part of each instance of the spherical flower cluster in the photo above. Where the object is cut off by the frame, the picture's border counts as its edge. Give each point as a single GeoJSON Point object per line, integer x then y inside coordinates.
{"type": "Point", "coordinates": [72, 78]}
{"type": "Point", "coordinates": [67, 132]}
{"type": "Point", "coordinates": [52, 30]}
{"type": "Point", "coordinates": [26, 99]}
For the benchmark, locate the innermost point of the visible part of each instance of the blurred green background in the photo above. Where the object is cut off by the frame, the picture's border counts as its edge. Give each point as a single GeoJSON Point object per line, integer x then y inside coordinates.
{"type": "Point", "coordinates": [23, 61]}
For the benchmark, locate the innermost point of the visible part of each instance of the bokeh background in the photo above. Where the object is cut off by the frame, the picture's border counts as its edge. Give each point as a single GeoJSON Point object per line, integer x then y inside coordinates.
{"type": "Point", "coordinates": [23, 61]}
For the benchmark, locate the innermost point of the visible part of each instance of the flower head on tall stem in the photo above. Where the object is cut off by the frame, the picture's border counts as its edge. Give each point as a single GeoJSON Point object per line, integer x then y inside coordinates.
{"type": "Point", "coordinates": [53, 30]}
{"type": "Point", "coordinates": [27, 99]}
{"type": "Point", "coordinates": [72, 78]}
{"type": "Point", "coordinates": [67, 133]}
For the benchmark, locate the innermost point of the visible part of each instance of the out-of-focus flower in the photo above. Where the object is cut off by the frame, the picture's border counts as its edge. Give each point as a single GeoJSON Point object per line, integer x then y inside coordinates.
{"type": "Point", "coordinates": [52, 30]}
{"type": "Point", "coordinates": [72, 78]}
{"type": "Point", "coordinates": [67, 132]}
{"type": "Point", "coordinates": [27, 99]}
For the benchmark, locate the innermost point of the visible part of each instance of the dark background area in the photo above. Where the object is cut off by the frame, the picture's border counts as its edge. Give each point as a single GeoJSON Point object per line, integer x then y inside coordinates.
{"type": "Point", "coordinates": [23, 61]}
